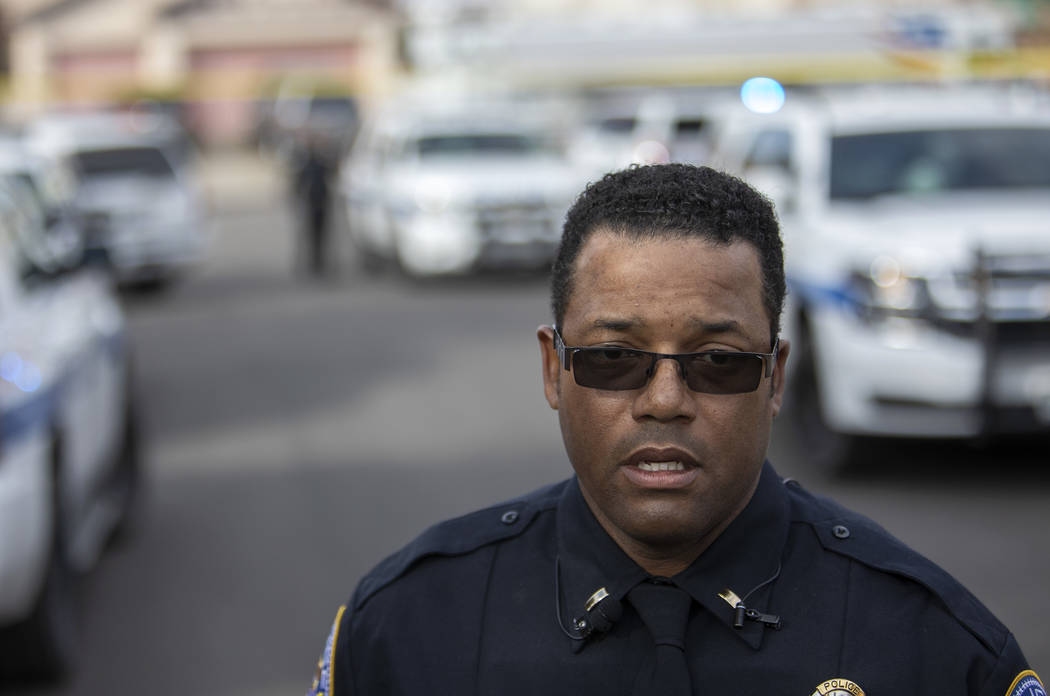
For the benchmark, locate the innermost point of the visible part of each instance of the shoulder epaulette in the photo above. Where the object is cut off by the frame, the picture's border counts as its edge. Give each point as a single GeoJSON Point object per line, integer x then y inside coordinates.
{"type": "Point", "coordinates": [851, 534]}
{"type": "Point", "coordinates": [461, 535]}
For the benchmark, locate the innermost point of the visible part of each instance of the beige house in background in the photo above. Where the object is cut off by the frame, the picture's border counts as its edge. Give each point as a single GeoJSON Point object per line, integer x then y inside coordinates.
{"type": "Point", "coordinates": [216, 56]}
{"type": "Point", "coordinates": [219, 56]}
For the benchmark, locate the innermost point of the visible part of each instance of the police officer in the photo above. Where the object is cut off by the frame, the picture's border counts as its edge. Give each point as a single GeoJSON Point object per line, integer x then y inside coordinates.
{"type": "Point", "coordinates": [676, 560]}
{"type": "Point", "coordinates": [312, 186]}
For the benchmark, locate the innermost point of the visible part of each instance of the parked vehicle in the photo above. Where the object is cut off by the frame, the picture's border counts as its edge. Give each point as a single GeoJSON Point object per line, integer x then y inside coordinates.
{"type": "Point", "coordinates": [449, 191]}
{"type": "Point", "coordinates": [918, 258]}
{"type": "Point", "coordinates": [136, 195]}
{"type": "Point", "coordinates": [620, 128]}
{"type": "Point", "coordinates": [68, 457]}
{"type": "Point", "coordinates": [287, 122]}
{"type": "Point", "coordinates": [52, 185]}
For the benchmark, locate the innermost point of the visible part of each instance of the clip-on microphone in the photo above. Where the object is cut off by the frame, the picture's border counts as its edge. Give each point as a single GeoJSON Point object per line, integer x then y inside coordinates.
{"type": "Point", "coordinates": [602, 612]}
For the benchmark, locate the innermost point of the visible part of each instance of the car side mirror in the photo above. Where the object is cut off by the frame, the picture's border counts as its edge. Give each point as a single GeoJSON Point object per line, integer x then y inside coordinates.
{"type": "Point", "coordinates": [55, 246]}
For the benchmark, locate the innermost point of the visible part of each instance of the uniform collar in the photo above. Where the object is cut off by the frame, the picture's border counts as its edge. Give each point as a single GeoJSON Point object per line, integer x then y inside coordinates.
{"type": "Point", "coordinates": [588, 559]}
{"type": "Point", "coordinates": [743, 557]}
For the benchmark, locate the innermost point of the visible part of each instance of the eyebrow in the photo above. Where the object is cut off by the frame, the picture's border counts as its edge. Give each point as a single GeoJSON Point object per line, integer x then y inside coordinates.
{"type": "Point", "coordinates": [617, 324]}
{"type": "Point", "coordinates": [708, 327]}
{"type": "Point", "coordinates": [719, 327]}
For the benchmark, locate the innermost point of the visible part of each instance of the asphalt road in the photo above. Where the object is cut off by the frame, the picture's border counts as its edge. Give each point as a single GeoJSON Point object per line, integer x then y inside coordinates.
{"type": "Point", "coordinates": [300, 430]}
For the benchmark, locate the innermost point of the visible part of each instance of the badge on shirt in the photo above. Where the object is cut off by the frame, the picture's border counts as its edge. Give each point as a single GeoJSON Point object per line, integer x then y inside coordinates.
{"type": "Point", "coordinates": [1026, 684]}
{"type": "Point", "coordinates": [322, 684]}
{"type": "Point", "coordinates": [838, 687]}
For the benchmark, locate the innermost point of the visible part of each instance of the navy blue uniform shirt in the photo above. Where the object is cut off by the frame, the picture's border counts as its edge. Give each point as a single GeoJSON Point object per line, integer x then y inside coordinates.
{"type": "Point", "coordinates": [488, 604]}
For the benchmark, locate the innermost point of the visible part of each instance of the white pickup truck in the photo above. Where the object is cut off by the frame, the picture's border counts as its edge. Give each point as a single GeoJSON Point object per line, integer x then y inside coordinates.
{"type": "Point", "coordinates": [916, 223]}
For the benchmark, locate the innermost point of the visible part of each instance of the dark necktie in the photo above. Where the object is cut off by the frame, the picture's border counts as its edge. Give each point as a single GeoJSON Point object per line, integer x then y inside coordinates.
{"type": "Point", "coordinates": [664, 608]}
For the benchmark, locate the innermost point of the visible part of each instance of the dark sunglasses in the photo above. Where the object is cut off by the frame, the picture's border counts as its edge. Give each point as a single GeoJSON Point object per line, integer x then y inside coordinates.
{"type": "Point", "coordinates": [707, 372]}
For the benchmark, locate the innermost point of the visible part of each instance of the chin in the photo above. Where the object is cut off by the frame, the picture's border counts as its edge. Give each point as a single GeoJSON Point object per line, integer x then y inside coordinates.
{"type": "Point", "coordinates": [659, 528]}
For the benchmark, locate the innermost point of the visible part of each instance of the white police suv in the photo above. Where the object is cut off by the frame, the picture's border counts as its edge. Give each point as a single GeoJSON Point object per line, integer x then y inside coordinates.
{"type": "Point", "coordinates": [136, 193]}
{"type": "Point", "coordinates": [448, 188]}
{"type": "Point", "coordinates": [917, 243]}
{"type": "Point", "coordinates": [67, 439]}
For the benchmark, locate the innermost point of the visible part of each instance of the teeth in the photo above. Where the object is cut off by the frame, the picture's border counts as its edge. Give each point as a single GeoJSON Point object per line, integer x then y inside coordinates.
{"type": "Point", "coordinates": [661, 466]}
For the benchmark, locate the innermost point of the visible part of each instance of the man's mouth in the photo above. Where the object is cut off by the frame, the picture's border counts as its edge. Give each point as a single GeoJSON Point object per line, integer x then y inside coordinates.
{"type": "Point", "coordinates": [661, 466]}
{"type": "Point", "coordinates": [662, 459]}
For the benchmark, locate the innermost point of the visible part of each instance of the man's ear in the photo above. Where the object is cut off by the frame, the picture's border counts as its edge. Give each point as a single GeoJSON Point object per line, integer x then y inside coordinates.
{"type": "Point", "coordinates": [551, 365]}
{"type": "Point", "coordinates": [780, 376]}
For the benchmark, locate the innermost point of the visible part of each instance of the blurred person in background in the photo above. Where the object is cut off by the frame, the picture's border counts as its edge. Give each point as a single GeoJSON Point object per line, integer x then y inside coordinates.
{"type": "Point", "coordinates": [676, 560]}
{"type": "Point", "coordinates": [312, 171]}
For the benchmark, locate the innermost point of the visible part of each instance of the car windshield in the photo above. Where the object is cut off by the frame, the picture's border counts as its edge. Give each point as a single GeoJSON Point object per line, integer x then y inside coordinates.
{"type": "Point", "coordinates": [480, 145]}
{"type": "Point", "coordinates": [336, 106]}
{"type": "Point", "coordinates": [621, 125]}
{"type": "Point", "coordinates": [932, 161]}
{"type": "Point", "coordinates": [142, 161]}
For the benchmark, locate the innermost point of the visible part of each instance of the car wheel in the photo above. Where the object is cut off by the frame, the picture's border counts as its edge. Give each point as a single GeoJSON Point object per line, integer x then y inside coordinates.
{"type": "Point", "coordinates": [153, 285]}
{"type": "Point", "coordinates": [370, 262]}
{"type": "Point", "coordinates": [403, 263]}
{"type": "Point", "coordinates": [124, 483]}
{"type": "Point", "coordinates": [828, 450]}
{"type": "Point", "coordinates": [44, 646]}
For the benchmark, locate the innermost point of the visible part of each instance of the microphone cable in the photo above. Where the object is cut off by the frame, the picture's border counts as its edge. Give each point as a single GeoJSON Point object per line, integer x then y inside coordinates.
{"type": "Point", "coordinates": [557, 602]}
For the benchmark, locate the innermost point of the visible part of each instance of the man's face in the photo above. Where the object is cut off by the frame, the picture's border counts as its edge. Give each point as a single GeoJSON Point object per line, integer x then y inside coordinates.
{"type": "Point", "coordinates": [664, 295]}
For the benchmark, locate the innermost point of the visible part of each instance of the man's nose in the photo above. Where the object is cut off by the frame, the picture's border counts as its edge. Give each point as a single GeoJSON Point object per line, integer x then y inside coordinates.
{"type": "Point", "coordinates": [666, 396]}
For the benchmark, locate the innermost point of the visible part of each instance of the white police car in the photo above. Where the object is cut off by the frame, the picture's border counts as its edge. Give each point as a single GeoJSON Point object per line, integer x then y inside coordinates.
{"type": "Point", "coordinates": [917, 247]}
{"type": "Point", "coordinates": [448, 188]}
{"type": "Point", "coordinates": [136, 195]}
{"type": "Point", "coordinates": [67, 440]}
{"type": "Point", "coordinates": [51, 183]}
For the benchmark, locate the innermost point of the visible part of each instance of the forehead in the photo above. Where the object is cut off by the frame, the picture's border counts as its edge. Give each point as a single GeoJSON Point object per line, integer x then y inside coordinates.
{"type": "Point", "coordinates": [667, 279]}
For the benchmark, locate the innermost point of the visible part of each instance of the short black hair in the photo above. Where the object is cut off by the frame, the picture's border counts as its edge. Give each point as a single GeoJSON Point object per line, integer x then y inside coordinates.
{"type": "Point", "coordinates": [674, 200]}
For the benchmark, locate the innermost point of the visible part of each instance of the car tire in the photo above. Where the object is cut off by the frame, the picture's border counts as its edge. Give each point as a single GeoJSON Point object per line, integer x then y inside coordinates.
{"type": "Point", "coordinates": [403, 266]}
{"type": "Point", "coordinates": [830, 452]}
{"type": "Point", "coordinates": [370, 262]}
{"type": "Point", "coordinates": [125, 481]}
{"type": "Point", "coordinates": [44, 646]}
{"type": "Point", "coordinates": [151, 286]}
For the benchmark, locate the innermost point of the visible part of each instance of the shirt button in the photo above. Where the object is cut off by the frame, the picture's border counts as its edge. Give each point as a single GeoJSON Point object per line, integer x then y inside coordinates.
{"type": "Point", "coordinates": [509, 517]}
{"type": "Point", "coordinates": [840, 531]}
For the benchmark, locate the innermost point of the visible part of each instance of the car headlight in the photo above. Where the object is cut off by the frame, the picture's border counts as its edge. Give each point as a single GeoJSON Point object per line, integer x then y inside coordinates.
{"type": "Point", "coordinates": [433, 197]}
{"type": "Point", "coordinates": [883, 290]}
{"type": "Point", "coordinates": [403, 211]}
{"type": "Point", "coordinates": [174, 207]}
{"type": "Point", "coordinates": [421, 203]}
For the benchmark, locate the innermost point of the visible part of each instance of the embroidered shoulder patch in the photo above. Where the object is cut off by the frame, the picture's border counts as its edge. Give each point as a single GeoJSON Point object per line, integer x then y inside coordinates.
{"type": "Point", "coordinates": [322, 684]}
{"type": "Point", "coordinates": [1026, 684]}
{"type": "Point", "coordinates": [838, 687]}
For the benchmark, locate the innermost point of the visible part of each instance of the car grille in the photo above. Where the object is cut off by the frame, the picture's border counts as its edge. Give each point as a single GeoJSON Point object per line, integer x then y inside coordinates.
{"type": "Point", "coordinates": [516, 222]}
{"type": "Point", "coordinates": [1008, 288]}
{"type": "Point", "coordinates": [1013, 292]}
{"type": "Point", "coordinates": [1017, 334]}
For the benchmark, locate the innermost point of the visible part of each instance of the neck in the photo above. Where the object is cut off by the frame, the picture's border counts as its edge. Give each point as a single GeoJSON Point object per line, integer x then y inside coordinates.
{"type": "Point", "coordinates": [662, 567]}
{"type": "Point", "coordinates": [675, 549]}
{"type": "Point", "coordinates": [666, 559]}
